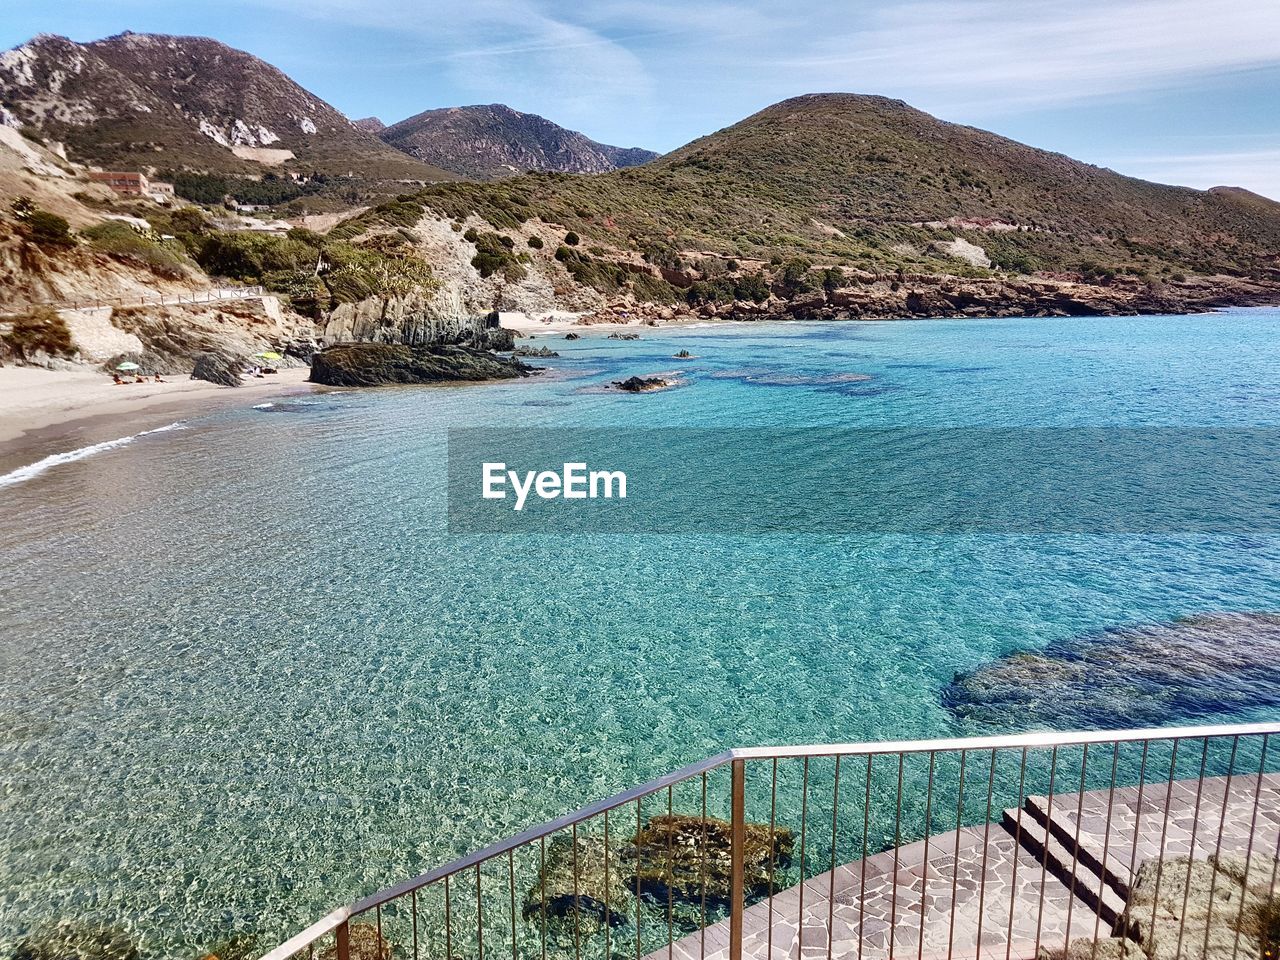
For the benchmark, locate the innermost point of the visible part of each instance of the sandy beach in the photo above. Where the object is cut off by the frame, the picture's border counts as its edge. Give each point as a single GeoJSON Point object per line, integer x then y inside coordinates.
{"type": "Point", "coordinates": [49, 411]}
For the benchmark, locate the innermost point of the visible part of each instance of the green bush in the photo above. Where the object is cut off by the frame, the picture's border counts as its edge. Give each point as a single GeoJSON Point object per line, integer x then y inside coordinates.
{"type": "Point", "coordinates": [494, 255]}
{"type": "Point", "coordinates": [117, 239]}
{"type": "Point", "coordinates": [41, 330]}
{"type": "Point", "coordinates": [536, 243]}
{"type": "Point", "coordinates": [48, 229]}
{"type": "Point", "coordinates": [572, 239]}
{"type": "Point", "coordinates": [249, 256]}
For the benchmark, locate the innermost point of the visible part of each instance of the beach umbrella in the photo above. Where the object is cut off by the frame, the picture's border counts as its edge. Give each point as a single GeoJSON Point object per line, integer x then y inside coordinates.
{"type": "Point", "coordinates": [267, 355]}
{"type": "Point", "coordinates": [127, 366]}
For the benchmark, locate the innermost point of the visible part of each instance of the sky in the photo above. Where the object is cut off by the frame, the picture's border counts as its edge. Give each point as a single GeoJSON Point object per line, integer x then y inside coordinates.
{"type": "Point", "coordinates": [1178, 91]}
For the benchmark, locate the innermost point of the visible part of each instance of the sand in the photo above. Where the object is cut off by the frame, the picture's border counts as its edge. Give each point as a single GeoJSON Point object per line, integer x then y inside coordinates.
{"type": "Point", "coordinates": [38, 407]}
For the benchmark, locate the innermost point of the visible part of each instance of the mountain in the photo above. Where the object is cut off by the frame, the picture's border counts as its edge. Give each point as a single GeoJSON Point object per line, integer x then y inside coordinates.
{"type": "Point", "coordinates": [489, 142]}
{"type": "Point", "coordinates": [165, 102]}
{"type": "Point", "coordinates": [867, 182]}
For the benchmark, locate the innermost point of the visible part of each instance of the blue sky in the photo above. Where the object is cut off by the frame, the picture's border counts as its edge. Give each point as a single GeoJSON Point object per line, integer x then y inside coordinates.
{"type": "Point", "coordinates": [1181, 91]}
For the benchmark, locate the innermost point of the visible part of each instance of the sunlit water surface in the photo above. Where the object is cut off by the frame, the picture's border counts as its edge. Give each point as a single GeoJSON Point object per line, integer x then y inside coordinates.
{"type": "Point", "coordinates": [246, 675]}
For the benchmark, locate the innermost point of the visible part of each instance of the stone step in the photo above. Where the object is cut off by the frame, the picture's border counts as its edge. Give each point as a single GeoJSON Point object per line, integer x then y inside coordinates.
{"type": "Point", "coordinates": [1078, 843]}
{"type": "Point", "coordinates": [1045, 846]}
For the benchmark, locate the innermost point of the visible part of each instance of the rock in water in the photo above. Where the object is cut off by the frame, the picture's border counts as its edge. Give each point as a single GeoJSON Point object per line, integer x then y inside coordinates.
{"type": "Point", "coordinates": [624, 336]}
{"type": "Point", "coordinates": [72, 941]}
{"type": "Point", "coordinates": [534, 352]}
{"type": "Point", "coordinates": [642, 384]}
{"type": "Point", "coordinates": [592, 888]}
{"type": "Point", "coordinates": [572, 336]}
{"type": "Point", "coordinates": [1202, 666]}
{"type": "Point", "coordinates": [217, 368]}
{"type": "Point", "coordinates": [678, 853]}
{"type": "Point", "coordinates": [376, 364]}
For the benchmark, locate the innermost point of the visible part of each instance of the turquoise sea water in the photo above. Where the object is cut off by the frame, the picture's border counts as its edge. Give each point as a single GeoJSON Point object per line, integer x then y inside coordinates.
{"type": "Point", "coordinates": [248, 675]}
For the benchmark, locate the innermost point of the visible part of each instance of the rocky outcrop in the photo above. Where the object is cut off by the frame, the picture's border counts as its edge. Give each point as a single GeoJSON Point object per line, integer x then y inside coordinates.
{"type": "Point", "coordinates": [642, 384]}
{"type": "Point", "coordinates": [217, 368]}
{"type": "Point", "coordinates": [378, 364]}
{"type": "Point", "coordinates": [414, 319]}
{"type": "Point", "coordinates": [534, 352]}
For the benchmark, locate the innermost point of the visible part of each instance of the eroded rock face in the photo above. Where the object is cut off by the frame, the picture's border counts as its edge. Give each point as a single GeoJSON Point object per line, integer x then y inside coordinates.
{"type": "Point", "coordinates": [679, 854]}
{"type": "Point", "coordinates": [413, 319]}
{"type": "Point", "coordinates": [1194, 667]}
{"type": "Point", "coordinates": [217, 368]}
{"type": "Point", "coordinates": [377, 364]}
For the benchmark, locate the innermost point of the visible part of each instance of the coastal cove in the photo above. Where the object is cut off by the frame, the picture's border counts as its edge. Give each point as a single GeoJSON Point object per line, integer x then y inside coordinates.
{"type": "Point", "coordinates": [247, 673]}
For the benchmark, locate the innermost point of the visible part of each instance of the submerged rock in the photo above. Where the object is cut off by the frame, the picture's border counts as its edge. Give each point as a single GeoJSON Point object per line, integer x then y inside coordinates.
{"type": "Point", "coordinates": [217, 368]}
{"type": "Point", "coordinates": [1201, 666]}
{"type": "Point", "coordinates": [679, 854]}
{"type": "Point", "coordinates": [567, 880]}
{"type": "Point", "coordinates": [375, 364]}
{"type": "Point", "coordinates": [365, 943]}
{"type": "Point", "coordinates": [624, 336]}
{"type": "Point", "coordinates": [73, 941]}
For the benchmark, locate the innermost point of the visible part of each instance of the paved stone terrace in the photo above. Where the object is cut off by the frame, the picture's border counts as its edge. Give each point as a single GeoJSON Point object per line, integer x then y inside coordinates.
{"type": "Point", "coordinates": [972, 881]}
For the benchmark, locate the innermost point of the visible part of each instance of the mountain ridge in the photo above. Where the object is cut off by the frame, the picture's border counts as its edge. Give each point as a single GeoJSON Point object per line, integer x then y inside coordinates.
{"type": "Point", "coordinates": [158, 101]}
{"type": "Point", "coordinates": [491, 141]}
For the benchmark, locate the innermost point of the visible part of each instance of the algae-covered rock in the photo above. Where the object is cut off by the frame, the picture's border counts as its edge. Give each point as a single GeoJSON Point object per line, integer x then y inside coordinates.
{"type": "Point", "coordinates": [365, 943]}
{"type": "Point", "coordinates": [1208, 927]}
{"type": "Point", "coordinates": [565, 882]}
{"type": "Point", "coordinates": [73, 941]}
{"type": "Point", "coordinates": [376, 364]}
{"type": "Point", "coordinates": [678, 854]}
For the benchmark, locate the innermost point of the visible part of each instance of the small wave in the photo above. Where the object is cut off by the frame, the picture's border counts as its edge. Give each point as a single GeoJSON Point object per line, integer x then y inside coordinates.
{"type": "Point", "coordinates": [57, 459]}
{"type": "Point", "coordinates": [263, 406]}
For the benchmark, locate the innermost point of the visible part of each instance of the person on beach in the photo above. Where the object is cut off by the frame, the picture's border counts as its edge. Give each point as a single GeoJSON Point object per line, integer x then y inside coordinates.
{"type": "Point", "coordinates": [116, 378]}
{"type": "Point", "coordinates": [160, 379]}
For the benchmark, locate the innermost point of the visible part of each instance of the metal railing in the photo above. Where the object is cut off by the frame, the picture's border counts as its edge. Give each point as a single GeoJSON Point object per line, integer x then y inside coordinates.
{"type": "Point", "coordinates": [211, 295]}
{"type": "Point", "coordinates": [993, 847]}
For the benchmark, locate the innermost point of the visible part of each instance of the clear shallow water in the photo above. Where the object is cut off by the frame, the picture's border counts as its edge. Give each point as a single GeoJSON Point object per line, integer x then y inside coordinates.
{"type": "Point", "coordinates": [246, 675]}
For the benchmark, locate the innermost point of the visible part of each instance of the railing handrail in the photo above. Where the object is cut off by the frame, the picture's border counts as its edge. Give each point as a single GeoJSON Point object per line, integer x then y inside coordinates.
{"type": "Point", "coordinates": [342, 915]}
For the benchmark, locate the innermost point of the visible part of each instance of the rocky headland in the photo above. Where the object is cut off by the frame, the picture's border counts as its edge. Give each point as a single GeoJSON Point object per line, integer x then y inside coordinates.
{"type": "Point", "coordinates": [380, 364]}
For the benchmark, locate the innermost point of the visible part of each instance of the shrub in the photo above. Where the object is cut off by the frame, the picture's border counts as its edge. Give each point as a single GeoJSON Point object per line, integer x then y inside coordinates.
{"type": "Point", "coordinates": [248, 256]}
{"type": "Point", "coordinates": [123, 242]}
{"type": "Point", "coordinates": [41, 330]}
{"type": "Point", "coordinates": [536, 243]}
{"type": "Point", "coordinates": [48, 229]}
{"type": "Point", "coordinates": [572, 239]}
{"type": "Point", "coordinates": [494, 255]}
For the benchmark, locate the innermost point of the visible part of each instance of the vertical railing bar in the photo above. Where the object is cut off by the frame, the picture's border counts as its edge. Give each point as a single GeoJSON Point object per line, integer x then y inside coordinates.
{"type": "Point", "coordinates": [1191, 848]}
{"type": "Point", "coordinates": [1017, 852]}
{"type": "Point", "coordinates": [671, 877]}
{"type": "Point", "coordinates": [702, 871]}
{"type": "Point", "coordinates": [955, 864]}
{"type": "Point", "coordinates": [773, 855]}
{"type": "Point", "coordinates": [804, 817]}
{"type": "Point", "coordinates": [448, 922]}
{"type": "Point", "coordinates": [928, 831]}
{"type": "Point", "coordinates": [542, 888]}
{"type": "Point", "coordinates": [1164, 829]}
{"type": "Point", "coordinates": [511, 884]}
{"type": "Point", "coordinates": [831, 898]}
{"type": "Point", "coordinates": [1106, 846]}
{"type": "Point", "coordinates": [986, 846]}
{"type": "Point", "coordinates": [378, 915]}
{"type": "Point", "coordinates": [479, 916]}
{"type": "Point", "coordinates": [413, 900]}
{"type": "Point", "coordinates": [862, 883]}
{"type": "Point", "coordinates": [897, 847]}
{"type": "Point", "coordinates": [1075, 848]}
{"type": "Point", "coordinates": [1222, 826]}
{"type": "Point", "coordinates": [737, 856]}
{"type": "Point", "coordinates": [577, 902]}
{"type": "Point", "coordinates": [608, 913]}
{"type": "Point", "coordinates": [342, 940]}
{"type": "Point", "coordinates": [639, 801]}
{"type": "Point", "coordinates": [1137, 833]}
{"type": "Point", "coordinates": [1253, 829]}
{"type": "Point", "coordinates": [1044, 865]}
